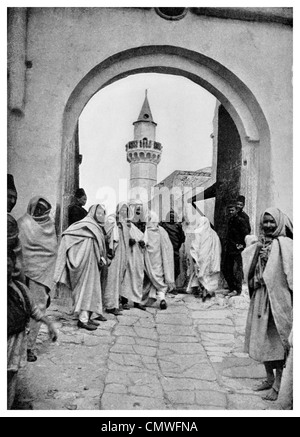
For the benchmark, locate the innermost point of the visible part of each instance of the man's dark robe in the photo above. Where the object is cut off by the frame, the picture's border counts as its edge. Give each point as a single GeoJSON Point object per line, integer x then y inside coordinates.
{"type": "Point", "coordinates": [177, 238]}
{"type": "Point", "coordinates": [76, 212]}
{"type": "Point", "coordinates": [245, 217]}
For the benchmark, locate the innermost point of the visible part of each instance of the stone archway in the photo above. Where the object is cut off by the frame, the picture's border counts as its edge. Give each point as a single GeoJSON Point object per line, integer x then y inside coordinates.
{"type": "Point", "coordinates": [233, 94]}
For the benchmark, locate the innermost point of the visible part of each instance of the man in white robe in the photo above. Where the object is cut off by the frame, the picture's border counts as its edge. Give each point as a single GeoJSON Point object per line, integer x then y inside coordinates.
{"type": "Point", "coordinates": [39, 248]}
{"type": "Point", "coordinates": [159, 263]}
{"type": "Point", "coordinates": [206, 254]}
{"type": "Point", "coordinates": [81, 256]}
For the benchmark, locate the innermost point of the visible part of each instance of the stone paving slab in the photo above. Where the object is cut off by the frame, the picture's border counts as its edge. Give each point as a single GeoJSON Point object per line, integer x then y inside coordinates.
{"type": "Point", "coordinates": [145, 350]}
{"type": "Point", "coordinates": [213, 321]}
{"type": "Point", "coordinates": [151, 390]}
{"type": "Point", "coordinates": [129, 378]}
{"type": "Point", "coordinates": [188, 357]}
{"type": "Point", "coordinates": [211, 398]}
{"type": "Point", "coordinates": [122, 368]}
{"type": "Point", "coordinates": [216, 341]}
{"type": "Point", "coordinates": [215, 328]}
{"type": "Point", "coordinates": [175, 330]}
{"type": "Point", "coordinates": [239, 302]}
{"type": "Point", "coordinates": [179, 363]}
{"type": "Point", "coordinates": [241, 386]}
{"type": "Point", "coordinates": [122, 348]}
{"type": "Point", "coordinates": [112, 401]}
{"type": "Point", "coordinates": [181, 348]}
{"type": "Point", "coordinates": [135, 312]}
{"type": "Point", "coordinates": [212, 314]}
{"type": "Point", "coordinates": [177, 310]}
{"type": "Point", "coordinates": [181, 397]}
{"type": "Point", "coordinates": [125, 359]}
{"type": "Point", "coordinates": [218, 348]}
{"type": "Point", "coordinates": [145, 323]}
{"type": "Point", "coordinates": [197, 371]}
{"type": "Point", "coordinates": [254, 371]}
{"type": "Point", "coordinates": [116, 388]}
{"type": "Point", "coordinates": [245, 402]}
{"type": "Point", "coordinates": [177, 384]}
{"type": "Point", "coordinates": [148, 333]}
{"type": "Point", "coordinates": [217, 337]}
{"type": "Point", "coordinates": [195, 407]}
{"type": "Point", "coordinates": [142, 341]}
{"type": "Point", "coordinates": [173, 319]}
{"type": "Point", "coordinates": [125, 340]}
{"type": "Point", "coordinates": [216, 359]}
{"type": "Point", "coordinates": [179, 339]}
{"type": "Point", "coordinates": [127, 320]}
{"type": "Point", "coordinates": [122, 330]}
{"type": "Point", "coordinates": [216, 354]}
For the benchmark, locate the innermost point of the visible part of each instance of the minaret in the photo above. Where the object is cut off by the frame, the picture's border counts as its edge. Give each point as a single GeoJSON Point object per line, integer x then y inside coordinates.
{"type": "Point", "coordinates": [143, 153]}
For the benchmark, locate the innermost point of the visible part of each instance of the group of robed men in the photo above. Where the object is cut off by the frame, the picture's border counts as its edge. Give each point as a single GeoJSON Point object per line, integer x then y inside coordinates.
{"type": "Point", "coordinates": [107, 261]}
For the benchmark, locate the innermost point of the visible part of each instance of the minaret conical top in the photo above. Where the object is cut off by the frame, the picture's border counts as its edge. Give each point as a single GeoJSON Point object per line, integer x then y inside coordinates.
{"type": "Point", "coordinates": [145, 114]}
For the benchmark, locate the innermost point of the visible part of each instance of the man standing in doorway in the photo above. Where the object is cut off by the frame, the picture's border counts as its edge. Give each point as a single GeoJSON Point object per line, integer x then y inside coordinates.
{"type": "Point", "coordinates": [240, 203]}
{"type": "Point", "coordinates": [235, 243]}
{"type": "Point", "coordinates": [76, 211]}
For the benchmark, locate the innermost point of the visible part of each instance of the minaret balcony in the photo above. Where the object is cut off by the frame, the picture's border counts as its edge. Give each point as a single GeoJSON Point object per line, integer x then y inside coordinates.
{"type": "Point", "coordinates": [143, 144]}
{"type": "Point", "coordinates": [142, 155]}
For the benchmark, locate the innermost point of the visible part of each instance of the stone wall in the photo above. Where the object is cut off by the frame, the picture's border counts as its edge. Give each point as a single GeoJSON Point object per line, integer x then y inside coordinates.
{"type": "Point", "coordinates": [229, 159]}
{"type": "Point", "coordinates": [59, 57]}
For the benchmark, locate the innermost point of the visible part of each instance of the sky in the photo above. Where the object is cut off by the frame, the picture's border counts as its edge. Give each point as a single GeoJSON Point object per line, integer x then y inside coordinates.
{"type": "Point", "coordinates": [182, 110]}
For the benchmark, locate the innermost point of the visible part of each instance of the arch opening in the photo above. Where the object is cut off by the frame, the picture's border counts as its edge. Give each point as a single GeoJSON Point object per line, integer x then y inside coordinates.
{"type": "Point", "coordinates": [230, 91]}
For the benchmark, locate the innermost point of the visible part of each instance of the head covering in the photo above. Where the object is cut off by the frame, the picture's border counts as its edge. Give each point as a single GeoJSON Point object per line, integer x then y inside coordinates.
{"type": "Point", "coordinates": [33, 204]}
{"type": "Point", "coordinates": [92, 212]}
{"type": "Point", "coordinates": [203, 224]}
{"type": "Point", "coordinates": [79, 193]}
{"type": "Point", "coordinates": [118, 209]}
{"type": "Point", "coordinates": [12, 231]}
{"type": "Point", "coordinates": [144, 209]}
{"type": "Point", "coordinates": [44, 203]}
{"type": "Point", "coordinates": [39, 243]}
{"type": "Point", "coordinates": [11, 184]}
{"type": "Point", "coordinates": [152, 219]}
{"type": "Point", "coordinates": [283, 223]}
{"type": "Point", "coordinates": [241, 199]}
{"type": "Point", "coordinates": [168, 216]}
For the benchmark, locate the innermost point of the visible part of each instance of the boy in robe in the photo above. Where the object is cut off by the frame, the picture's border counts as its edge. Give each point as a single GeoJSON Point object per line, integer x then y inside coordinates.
{"type": "Point", "coordinates": [159, 263]}
{"type": "Point", "coordinates": [269, 272]}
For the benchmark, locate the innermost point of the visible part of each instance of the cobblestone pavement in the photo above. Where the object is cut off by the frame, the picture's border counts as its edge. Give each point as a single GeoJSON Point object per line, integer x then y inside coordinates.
{"type": "Point", "coordinates": [188, 357]}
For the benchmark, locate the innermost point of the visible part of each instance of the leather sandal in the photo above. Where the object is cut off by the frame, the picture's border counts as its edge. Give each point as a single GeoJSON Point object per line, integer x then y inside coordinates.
{"type": "Point", "coordinates": [163, 305]}
{"type": "Point", "coordinates": [94, 322]}
{"type": "Point", "coordinates": [31, 357]}
{"type": "Point", "coordinates": [139, 306]}
{"type": "Point", "coordinates": [114, 311]}
{"type": "Point", "coordinates": [88, 326]}
{"type": "Point", "coordinates": [101, 318]}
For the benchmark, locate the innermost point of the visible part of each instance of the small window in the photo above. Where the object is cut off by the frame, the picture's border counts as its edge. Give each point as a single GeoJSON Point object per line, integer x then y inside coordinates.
{"type": "Point", "coordinates": [171, 13]}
